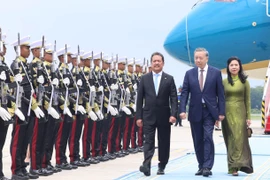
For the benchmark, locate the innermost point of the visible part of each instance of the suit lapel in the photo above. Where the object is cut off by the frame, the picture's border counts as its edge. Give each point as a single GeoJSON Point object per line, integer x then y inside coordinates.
{"type": "Point", "coordinates": [162, 81]}
{"type": "Point", "coordinates": [196, 77]}
{"type": "Point", "coordinates": [208, 77]}
{"type": "Point", "coordinates": [151, 82]}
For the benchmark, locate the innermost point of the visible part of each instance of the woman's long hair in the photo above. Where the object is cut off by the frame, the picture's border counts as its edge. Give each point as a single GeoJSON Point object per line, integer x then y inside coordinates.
{"type": "Point", "coordinates": [241, 74]}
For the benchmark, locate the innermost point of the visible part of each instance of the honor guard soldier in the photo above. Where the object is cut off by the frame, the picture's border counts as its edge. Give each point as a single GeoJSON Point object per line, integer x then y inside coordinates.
{"type": "Point", "coordinates": [131, 101]}
{"type": "Point", "coordinates": [66, 83]}
{"type": "Point", "coordinates": [77, 124]}
{"type": "Point", "coordinates": [40, 80]}
{"type": "Point", "coordinates": [123, 109]}
{"type": "Point", "coordinates": [6, 110]}
{"type": "Point", "coordinates": [25, 101]}
{"type": "Point", "coordinates": [114, 102]}
{"type": "Point", "coordinates": [138, 72]}
{"type": "Point", "coordinates": [91, 107]}
{"type": "Point", "coordinates": [97, 125]}
{"type": "Point", "coordinates": [108, 109]}
{"type": "Point", "coordinates": [52, 106]}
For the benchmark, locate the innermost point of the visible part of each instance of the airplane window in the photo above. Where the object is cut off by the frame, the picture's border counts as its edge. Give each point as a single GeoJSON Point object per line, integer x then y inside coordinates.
{"type": "Point", "coordinates": [225, 0]}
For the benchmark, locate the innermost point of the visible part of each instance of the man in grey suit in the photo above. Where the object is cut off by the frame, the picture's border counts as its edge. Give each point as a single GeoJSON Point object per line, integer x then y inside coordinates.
{"type": "Point", "coordinates": [156, 109]}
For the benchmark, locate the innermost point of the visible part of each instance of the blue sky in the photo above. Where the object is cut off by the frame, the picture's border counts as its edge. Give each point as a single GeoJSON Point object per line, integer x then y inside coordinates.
{"type": "Point", "coordinates": [124, 27]}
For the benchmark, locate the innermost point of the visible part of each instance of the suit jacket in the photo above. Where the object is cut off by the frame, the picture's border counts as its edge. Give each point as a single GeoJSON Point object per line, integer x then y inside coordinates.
{"type": "Point", "coordinates": [152, 108]}
{"type": "Point", "coordinates": [212, 93]}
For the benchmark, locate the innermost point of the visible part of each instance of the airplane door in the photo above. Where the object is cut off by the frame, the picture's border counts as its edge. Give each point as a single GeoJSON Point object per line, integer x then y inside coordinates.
{"type": "Point", "coordinates": [268, 8]}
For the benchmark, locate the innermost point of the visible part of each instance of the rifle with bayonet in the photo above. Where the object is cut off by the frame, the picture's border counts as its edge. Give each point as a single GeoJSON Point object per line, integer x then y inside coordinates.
{"type": "Point", "coordinates": [91, 81]}
{"type": "Point", "coordinates": [3, 84]}
{"type": "Point", "coordinates": [40, 90]}
{"type": "Point", "coordinates": [15, 70]}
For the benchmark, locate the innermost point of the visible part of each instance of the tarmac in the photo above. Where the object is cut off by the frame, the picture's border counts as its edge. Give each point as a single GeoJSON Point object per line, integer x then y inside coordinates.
{"type": "Point", "coordinates": [182, 164]}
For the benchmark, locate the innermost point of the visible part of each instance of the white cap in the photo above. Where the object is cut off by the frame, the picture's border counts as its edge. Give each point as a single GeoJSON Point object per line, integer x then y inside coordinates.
{"type": "Point", "coordinates": [62, 51]}
{"type": "Point", "coordinates": [131, 61]}
{"type": "Point", "coordinates": [36, 44]}
{"type": "Point", "coordinates": [23, 41]}
{"type": "Point", "coordinates": [98, 55]}
{"type": "Point", "coordinates": [122, 60]}
{"type": "Point", "coordinates": [87, 55]}
{"type": "Point", "coordinates": [139, 62]}
{"type": "Point", "coordinates": [48, 48]}
{"type": "Point", "coordinates": [107, 59]}
{"type": "Point", "coordinates": [75, 54]}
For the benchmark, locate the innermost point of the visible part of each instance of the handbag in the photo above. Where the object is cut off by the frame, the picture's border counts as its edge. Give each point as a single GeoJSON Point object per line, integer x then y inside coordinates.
{"type": "Point", "coordinates": [249, 132]}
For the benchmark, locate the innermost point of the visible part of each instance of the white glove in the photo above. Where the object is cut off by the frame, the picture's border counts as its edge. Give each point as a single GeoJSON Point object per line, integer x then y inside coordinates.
{"type": "Point", "coordinates": [38, 112]}
{"type": "Point", "coordinates": [99, 114]}
{"type": "Point", "coordinates": [18, 78]}
{"type": "Point", "coordinates": [116, 110]}
{"type": "Point", "coordinates": [66, 81]}
{"type": "Point", "coordinates": [4, 114]}
{"type": "Point", "coordinates": [55, 82]}
{"type": "Point", "coordinates": [100, 88]}
{"type": "Point", "coordinates": [3, 76]}
{"type": "Point", "coordinates": [126, 110]}
{"type": "Point", "coordinates": [79, 82]}
{"type": "Point", "coordinates": [92, 115]}
{"type": "Point", "coordinates": [67, 111]}
{"type": "Point", "coordinates": [40, 79]}
{"type": "Point", "coordinates": [127, 90]}
{"type": "Point", "coordinates": [81, 109]}
{"type": "Point", "coordinates": [92, 89]}
{"type": "Point", "coordinates": [134, 107]}
{"type": "Point", "coordinates": [115, 86]}
{"type": "Point", "coordinates": [20, 115]}
{"type": "Point", "coordinates": [135, 87]}
{"type": "Point", "coordinates": [112, 110]}
{"type": "Point", "coordinates": [53, 113]}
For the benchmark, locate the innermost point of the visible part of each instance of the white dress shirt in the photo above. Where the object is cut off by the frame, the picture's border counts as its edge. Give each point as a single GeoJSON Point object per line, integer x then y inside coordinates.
{"type": "Point", "coordinates": [159, 78]}
{"type": "Point", "coordinates": [205, 69]}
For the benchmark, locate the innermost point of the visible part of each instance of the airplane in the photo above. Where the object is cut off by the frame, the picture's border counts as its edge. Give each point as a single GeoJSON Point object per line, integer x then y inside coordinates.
{"type": "Point", "coordinates": [227, 28]}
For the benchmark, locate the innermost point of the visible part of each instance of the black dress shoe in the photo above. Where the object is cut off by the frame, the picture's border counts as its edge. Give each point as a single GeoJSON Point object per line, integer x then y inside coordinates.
{"type": "Point", "coordinates": [92, 161]}
{"type": "Point", "coordinates": [54, 169]}
{"type": "Point", "coordinates": [46, 172]}
{"type": "Point", "coordinates": [206, 172]}
{"type": "Point", "coordinates": [30, 175]}
{"type": "Point", "coordinates": [199, 172]}
{"type": "Point", "coordinates": [19, 176]}
{"type": "Point", "coordinates": [160, 171]}
{"type": "Point", "coordinates": [145, 170]}
{"type": "Point", "coordinates": [104, 158]}
{"type": "Point", "coordinates": [140, 149]}
{"type": "Point", "coordinates": [125, 152]}
{"type": "Point", "coordinates": [78, 163]}
{"type": "Point", "coordinates": [64, 166]}
{"type": "Point", "coordinates": [119, 155]}
{"type": "Point", "coordinates": [110, 156]}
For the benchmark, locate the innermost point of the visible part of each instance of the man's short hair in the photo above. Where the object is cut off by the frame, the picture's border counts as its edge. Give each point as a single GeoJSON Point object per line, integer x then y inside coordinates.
{"type": "Point", "coordinates": [158, 54]}
{"type": "Point", "coordinates": [200, 49]}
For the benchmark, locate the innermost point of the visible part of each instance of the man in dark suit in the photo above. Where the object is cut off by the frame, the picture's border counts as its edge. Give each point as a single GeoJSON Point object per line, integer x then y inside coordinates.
{"type": "Point", "coordinates": [207, 105]}
{"type": "Point", "coordinates": [158, 98]}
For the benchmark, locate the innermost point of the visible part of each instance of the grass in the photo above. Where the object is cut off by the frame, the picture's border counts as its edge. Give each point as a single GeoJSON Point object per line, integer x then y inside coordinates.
{"type": "Point", "coordinates": [256, 117]}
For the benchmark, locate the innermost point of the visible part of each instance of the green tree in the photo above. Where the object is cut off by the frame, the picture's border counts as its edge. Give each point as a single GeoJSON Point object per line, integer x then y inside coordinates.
{"type": "Point", "coordinates": [256, 97]}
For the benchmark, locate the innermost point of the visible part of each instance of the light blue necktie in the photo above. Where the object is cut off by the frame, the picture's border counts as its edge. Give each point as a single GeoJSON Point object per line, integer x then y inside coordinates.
{"type": "Point", "coordinates": [156, 82]}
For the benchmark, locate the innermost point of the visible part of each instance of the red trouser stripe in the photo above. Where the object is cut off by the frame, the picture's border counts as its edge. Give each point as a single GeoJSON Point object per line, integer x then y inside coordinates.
{"type": "Point", "coordinates": [72, 140]}
{"type": "Point", "coordinates": [94, 139]}
{"type": "Point", "coordinates": [110, 134]}
{"type": "Point", "coordinates": [85, 134]}
{"type": "Point", "coordinates": [125, 138]}
{"type": "Point", "coordinates": [133, 137]}
{"type": "Point", "coordinates": [34, 145]}
{"type": "Point", "coordinates": [140, 136]}
{"type": "Point", "coordinates": [14, 146]}
{"type": "Point", "coordinates": [58, 141]}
